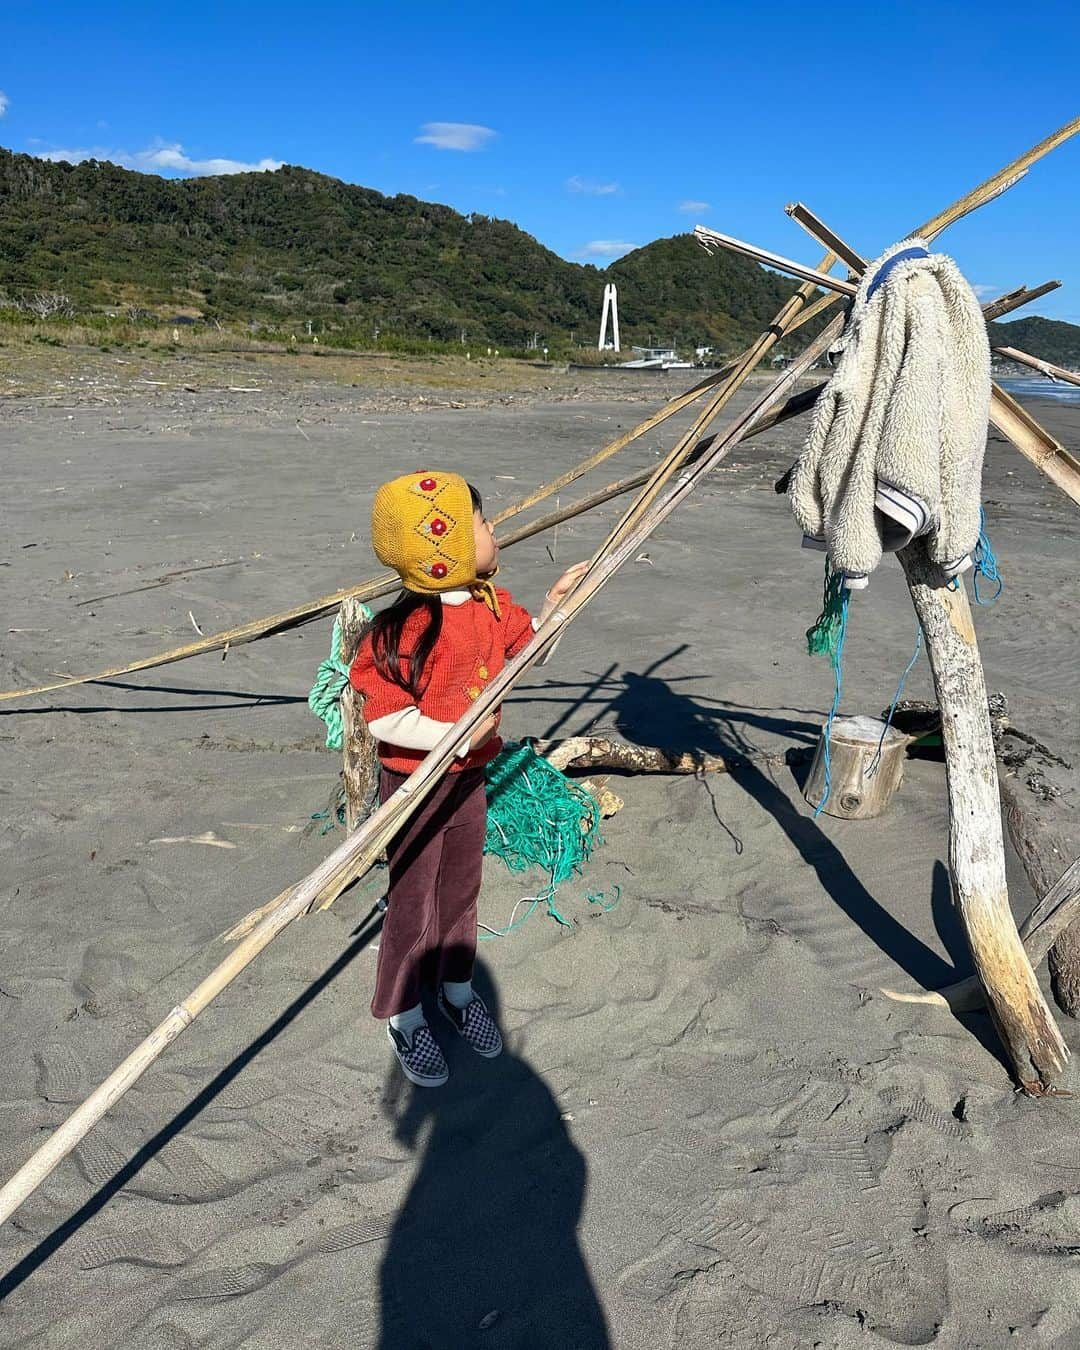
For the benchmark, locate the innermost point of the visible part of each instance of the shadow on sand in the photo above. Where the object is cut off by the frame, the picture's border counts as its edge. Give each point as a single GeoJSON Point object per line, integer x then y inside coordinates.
{"type": "Point", "coordinates": [485, 1248]}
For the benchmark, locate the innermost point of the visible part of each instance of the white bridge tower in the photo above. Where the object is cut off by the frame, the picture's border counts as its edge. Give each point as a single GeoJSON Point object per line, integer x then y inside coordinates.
{"type": "Point", "coordinates": [611, 308]}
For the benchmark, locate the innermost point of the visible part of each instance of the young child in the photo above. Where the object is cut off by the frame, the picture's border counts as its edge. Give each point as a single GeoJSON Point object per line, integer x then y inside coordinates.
{"type": "Point", "coordinates": [423, 661]}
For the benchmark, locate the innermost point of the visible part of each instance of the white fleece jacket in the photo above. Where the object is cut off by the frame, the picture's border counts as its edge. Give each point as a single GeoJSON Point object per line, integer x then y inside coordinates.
{"type": "Point", "coordinates": [896, 445]}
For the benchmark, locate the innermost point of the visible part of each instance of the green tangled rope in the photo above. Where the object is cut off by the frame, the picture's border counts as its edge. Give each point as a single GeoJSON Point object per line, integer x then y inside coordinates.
{"type": "Point", "coordinates": [537, 817]}
{"type": "Point", "coordinates": [824, 637]}
{"type": "Point", "coordinates": [331, 679]}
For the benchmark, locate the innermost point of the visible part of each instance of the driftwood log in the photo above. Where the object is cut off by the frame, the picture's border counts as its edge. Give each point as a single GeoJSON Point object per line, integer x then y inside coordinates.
{"type": "Point", "coordinates": [360, 763]}
{"type": "Point", "coordinates": [1024, 1022]}
{"type": "Point", "coordinates": [1045, 836]}
{"type": "Point", "coordinates": [865, 768]}
{"type": "Point", "coordinates": [601, 752]}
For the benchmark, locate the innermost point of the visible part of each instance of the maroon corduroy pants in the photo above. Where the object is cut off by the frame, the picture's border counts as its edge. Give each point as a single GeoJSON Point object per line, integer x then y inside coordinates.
{"type": "Point", "coordinates": [429, 933]}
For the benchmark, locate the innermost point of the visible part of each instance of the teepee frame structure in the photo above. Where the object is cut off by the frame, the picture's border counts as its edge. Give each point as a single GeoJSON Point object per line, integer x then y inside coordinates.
{"type": "Point", "coordinates": [1031, 1039]}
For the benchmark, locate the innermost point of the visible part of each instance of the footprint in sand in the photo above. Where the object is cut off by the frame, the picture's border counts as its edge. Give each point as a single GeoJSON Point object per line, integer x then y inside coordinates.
{"type": "Point", "coordinates": [1049, 1224]}
{"type": "Point", "coordinates": [915, 1108]}
{"type": "Point", "coordinates": [61, 1076]}
{"type": "Point", "coordinates": [235, 1281]}
{"type": "Point", "coordinates": [140, 1247]}
{"type": "Point", "coordinates": [178, 1173]}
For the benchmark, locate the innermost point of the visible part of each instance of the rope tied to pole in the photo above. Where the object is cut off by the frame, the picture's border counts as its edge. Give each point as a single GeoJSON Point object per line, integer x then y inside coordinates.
{"type": "Point", "coordinates": [826, 637]}
{"type": "Point", "coordinates": [986, 564]}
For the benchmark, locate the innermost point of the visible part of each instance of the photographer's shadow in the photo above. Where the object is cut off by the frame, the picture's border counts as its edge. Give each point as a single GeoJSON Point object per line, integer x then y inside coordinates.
{"type": "Point", "coordinates": [485, 1247]}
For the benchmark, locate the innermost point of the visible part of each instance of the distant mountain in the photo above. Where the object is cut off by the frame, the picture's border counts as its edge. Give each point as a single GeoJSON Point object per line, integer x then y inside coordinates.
{"type": "Point", "coordinates": [293, 245]}
{"type": "Point", "coordinates": [1049, 339]}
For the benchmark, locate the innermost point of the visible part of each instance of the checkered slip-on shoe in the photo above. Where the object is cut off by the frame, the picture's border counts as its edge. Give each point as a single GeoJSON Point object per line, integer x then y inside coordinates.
{"type": "Point", "coordinates": [421, 1060]}
{"type": "Point", "coordinates": [474, 1024]}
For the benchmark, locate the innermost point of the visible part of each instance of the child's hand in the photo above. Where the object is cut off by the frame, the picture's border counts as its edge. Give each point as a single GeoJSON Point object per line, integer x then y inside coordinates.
{"type": "Point", "coordinates": [562, 589]}
{"type": "Point", "coordinates": [484, 731]}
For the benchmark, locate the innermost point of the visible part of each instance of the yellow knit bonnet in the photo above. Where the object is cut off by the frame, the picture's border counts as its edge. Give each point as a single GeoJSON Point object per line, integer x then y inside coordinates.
{"type": "Point", "coordinates": [422, 527]}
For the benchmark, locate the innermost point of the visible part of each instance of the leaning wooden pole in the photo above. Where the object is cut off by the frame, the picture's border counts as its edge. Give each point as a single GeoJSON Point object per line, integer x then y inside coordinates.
{"type": "Point", "coordinates": [360, 851]}
{"type": "Point", "coordinates": [378, 586]}
{"type": "Point", "coordinates": [1024, 1022]}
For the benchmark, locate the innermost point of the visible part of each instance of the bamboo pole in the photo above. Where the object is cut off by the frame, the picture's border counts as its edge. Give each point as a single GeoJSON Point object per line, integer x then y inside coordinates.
{"type": "Point", "coordinates": [374, 587]}
{"type": "Point", "coordinates": [712, 239]}
{"type": "Point", "coordinates": [1035, 443]}
{"type": "Point", "coordinates": [998, 183]}
{"type": "Point", "coordinates": [782, 324]}
{"type": "Point", "coordinates": [360, 851]}
{"type": "Point", "coordinates": [1051, 372]}
{"type": "Point", "coordinates": [1005, 303]}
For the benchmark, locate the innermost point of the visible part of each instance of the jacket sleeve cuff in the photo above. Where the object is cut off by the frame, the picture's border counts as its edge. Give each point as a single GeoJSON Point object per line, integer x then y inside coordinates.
{"type": "Point", "coordinates": [411, 730]}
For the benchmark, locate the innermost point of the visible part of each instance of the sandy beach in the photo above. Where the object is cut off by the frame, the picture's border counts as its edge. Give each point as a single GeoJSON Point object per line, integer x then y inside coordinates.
{"type": "Point", "coordinates": [710, 1127]}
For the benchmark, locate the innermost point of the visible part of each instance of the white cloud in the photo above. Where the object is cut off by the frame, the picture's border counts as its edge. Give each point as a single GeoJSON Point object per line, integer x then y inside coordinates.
{"type": "Point", "coordinates": [455, 136]}
{"type": "Point", "coordinates": [606, 248]}
{"type": "Point", "coordinates": [3, 103]}
{"type": "Point", "coordinates": [588, 188]}
{"type": "Point", "coordinates": [694, 208]}
{"type": "Point", "coordinates": [984, 292]}
{"type": "Point", "coordinates": [163, 158]}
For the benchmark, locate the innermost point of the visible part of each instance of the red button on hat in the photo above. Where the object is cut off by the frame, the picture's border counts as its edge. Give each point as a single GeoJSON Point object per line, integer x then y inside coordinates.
{"type": "Point", "coordinates": [428, 484]}
{"type": "Point", "coordinates": [438, 570]}
{"type": "Point", "coordinates": [438, 526]}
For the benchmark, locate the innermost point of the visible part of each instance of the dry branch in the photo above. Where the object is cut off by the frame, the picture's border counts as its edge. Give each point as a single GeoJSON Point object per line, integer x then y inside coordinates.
{"type": "Point", "coordinates": [360, 761]}
{"type": "Point", "coordinates": [601, 752]}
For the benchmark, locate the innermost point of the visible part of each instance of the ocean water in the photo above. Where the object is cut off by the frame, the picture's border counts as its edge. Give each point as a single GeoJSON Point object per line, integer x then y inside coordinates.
{"type": "Point", "coordinates": [1037, 387]}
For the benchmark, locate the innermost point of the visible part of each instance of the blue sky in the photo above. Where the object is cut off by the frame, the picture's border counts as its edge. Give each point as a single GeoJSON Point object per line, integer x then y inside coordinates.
{"type": "Point", "coordinates": [593, 127]}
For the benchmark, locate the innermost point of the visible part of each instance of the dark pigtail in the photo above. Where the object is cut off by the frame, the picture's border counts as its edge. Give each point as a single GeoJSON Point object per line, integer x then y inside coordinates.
{"type": "Point", "coordinates": [386, 633]}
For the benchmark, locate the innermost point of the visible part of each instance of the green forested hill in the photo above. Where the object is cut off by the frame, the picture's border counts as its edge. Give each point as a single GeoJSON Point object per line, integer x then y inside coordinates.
{"type": "Point", "coordinates": [293, 245]}
{"type": "Point", "coordinates": [1049, 339]}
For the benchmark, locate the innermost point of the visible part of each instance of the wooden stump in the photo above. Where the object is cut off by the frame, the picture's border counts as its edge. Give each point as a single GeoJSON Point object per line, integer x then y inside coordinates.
{"type": "Point", "coordinates": [976, 845]}
{"type": "Point", "coordinates": [360, 764]}
{"type": "Point", "coordinates": [861, 783]}
{"type": "Point", "coordinates": [1045, 836]}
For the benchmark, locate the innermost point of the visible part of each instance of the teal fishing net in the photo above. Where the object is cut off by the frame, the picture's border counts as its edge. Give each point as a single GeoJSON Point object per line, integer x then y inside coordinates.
{"type": "Point", "coordinates": [537, 817]}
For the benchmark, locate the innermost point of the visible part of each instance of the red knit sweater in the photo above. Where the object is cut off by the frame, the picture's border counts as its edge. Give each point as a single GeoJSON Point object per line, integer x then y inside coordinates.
{"type": "Point", "coordinates": [472, 648]}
